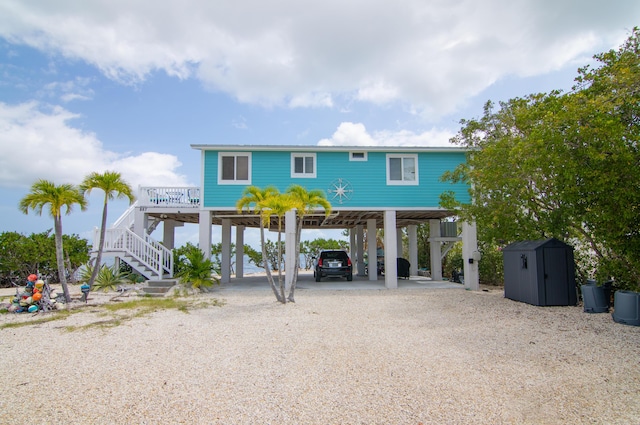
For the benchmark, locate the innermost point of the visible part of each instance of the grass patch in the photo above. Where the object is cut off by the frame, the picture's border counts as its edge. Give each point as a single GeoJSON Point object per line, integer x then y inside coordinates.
{"type": "Point", "coordinates": [122, 312]}
{"type": "Point", "coordinates": [149, 304]}
{"type": "Point", "coordinates": [52, 316]}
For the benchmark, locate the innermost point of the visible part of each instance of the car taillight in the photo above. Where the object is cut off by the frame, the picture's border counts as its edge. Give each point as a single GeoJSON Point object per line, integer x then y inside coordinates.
{"type": "Point", "coordinates": [320, 262]}
{"type": "Point", "coordinates": [348, 261]}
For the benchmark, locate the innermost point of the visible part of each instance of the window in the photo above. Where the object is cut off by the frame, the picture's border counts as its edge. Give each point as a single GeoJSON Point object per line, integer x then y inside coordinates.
{"type": "Point", "coordinates": [402, 169]}
{"type": "Point", "coordinates": [303, 165]}
{"type": "Point", "coordinates": [234, 168]}
{"type": "Point", "coordinates": [357, 156]}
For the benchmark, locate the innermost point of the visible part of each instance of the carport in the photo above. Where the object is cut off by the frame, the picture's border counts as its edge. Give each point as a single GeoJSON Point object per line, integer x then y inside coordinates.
{"type": "Point", "coordinates": [357, 222]}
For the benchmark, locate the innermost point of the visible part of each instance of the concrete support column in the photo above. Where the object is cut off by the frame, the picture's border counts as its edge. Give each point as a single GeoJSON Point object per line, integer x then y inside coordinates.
{"type": "Point", "coordinates": [390, 251]}
{"type": "Point", "coordinates": [352, 246]}
{"type": "Point", "coordinates": [204, 232]}
{"type": "Point", "coordinates": [289, 248]}
{"type": "Point", "coordinates": [412, 233]}
{"type": "Point", "coordinates": [360, 253]}
{"type": "Point", "coordinates": [372, 252]}
{"type": "Point", "coordinates": [225, 255]}
{"type": "Point", "coordinates": [141, 222]}
{"type": "Point", "coordinates": [435, 251]}
{"type": "Point", "coordinates": [400, 249]}
{"type": "Point", "coordinates": [168, 233]}
{"type": "Point", "coordinates": [470, 256]}
{"type": "Point", "coordinates": [239, 251]}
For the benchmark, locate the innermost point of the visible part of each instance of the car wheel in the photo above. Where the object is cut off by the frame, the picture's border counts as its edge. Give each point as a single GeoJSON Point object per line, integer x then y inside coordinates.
{"type": "Point", "coordinates": [350, 277]}
{"type": "Point", "coordinates": [317, 277]}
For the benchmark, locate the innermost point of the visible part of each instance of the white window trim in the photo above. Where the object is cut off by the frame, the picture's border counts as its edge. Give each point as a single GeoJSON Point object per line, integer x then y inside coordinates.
{"type": "Point", "coordinates": [352, 158]}
{"type": "Point", "coordinates": [402, 182]}
{"type": "Point", "coordinates": [235, 154]}
{"type": "Point", "coordinates": [295, 175]}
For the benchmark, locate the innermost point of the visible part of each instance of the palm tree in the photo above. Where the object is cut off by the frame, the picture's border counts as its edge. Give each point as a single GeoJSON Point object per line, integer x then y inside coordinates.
{"type": "Point", "coordinates": [196, 269]}
{"type": "Point", "coordinates": [278, 205]}
{"type": "Point", "coordinates": [252, 199]}
{"type": "Point", "coordinates": [113, 186]}
{"type": "Point", "coordinates": [306, 201]}
{"type": "Point", "coordinates": [44, 192]}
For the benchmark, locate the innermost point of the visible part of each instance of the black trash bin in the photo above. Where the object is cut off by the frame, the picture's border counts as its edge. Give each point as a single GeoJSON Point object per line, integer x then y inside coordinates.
{"type": "Point", "coordinates": [594, 298]}
{"type": "Point", "coordinates": [403, 267]}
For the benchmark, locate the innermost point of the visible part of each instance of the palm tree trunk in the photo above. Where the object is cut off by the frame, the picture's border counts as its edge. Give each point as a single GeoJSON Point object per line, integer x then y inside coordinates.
{"type": "Point", "coordinates": [103, 229]}
{"type": "Point", "coordinates": [265, 263]}
{"type": "Point", "coordinates": [283, 298]}
{"type": "Point", "coordinates": [57, 221]}
{"type": "Point", "coordinates": [297, 265]}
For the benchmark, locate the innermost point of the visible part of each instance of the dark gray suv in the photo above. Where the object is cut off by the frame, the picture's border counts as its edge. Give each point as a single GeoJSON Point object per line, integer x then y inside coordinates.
{"type": "Point", "coordinates": [333, 264]}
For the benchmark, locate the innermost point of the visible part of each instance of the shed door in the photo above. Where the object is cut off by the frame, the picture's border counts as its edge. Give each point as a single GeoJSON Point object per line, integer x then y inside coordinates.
{"type": "Point", "coordinates": [555, 276]}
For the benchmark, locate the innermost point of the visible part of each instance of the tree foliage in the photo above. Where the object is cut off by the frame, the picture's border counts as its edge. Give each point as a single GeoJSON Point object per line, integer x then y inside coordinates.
{"type": "Point", "coordinates": [194, 269]}
{"type": "Point", "coordinates": [563, 165]}
{"type": "Point", "coordinates": [216, 256]}
{"type": "Point", "coordinates": [269, 202]}
{"type": "Point", "coordinates": [113, 186]}
{"type": "Point", "coordinates": [45, 193]}
{"type": "Point", "coordinates": [253, 199]}
{"type": "Point", "coordinates": [306, 202]}
{"type": "Point", "coordinates": [22, 255]}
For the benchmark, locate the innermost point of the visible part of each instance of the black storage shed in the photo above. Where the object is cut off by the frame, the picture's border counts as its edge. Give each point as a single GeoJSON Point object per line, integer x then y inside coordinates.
{"type": "Point", "coordinates": [540, 272]}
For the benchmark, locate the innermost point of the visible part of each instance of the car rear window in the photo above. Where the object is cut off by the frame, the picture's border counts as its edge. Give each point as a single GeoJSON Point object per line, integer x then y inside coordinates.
{"type": "Point", "coordinates": [339, 255]}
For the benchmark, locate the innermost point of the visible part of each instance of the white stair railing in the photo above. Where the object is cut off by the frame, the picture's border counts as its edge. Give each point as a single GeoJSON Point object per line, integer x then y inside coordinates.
{"type": "Point", "coordinates": [145, 250]}
{"type": "Point", "coordinates": [166, 254]}
{"type": "Point", "coordinates": [127, 218]}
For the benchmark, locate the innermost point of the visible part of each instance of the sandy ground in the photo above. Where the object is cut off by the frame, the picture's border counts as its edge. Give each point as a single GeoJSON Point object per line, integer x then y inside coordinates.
{"type": "Point", "coordinates": [377, 356]}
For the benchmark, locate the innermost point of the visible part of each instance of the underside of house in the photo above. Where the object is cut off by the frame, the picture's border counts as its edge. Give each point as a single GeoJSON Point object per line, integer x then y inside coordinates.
{"type": "Point", "coordinates": [130, 240]}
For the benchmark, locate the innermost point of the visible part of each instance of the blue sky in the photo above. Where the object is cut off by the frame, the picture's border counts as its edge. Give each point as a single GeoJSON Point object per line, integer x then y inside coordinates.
{"type": "Point", "coordinates": [128, 86]}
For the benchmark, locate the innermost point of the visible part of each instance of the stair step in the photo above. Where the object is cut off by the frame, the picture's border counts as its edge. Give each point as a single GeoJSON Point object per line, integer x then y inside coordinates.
{"type": "Point", "coordinates": [153, 290]}
{"type": "Point", "coordinates": [163, 283]}
{"type": "Point", "coordinates": [158, 288]}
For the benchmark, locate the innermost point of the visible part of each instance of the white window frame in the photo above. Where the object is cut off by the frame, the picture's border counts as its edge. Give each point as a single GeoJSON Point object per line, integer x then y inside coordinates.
{"type": "Point", "coordinates": [303, 175]}
{"type": "Point", "coordinates": [404, 182]}
{"type": "Point", "coordinates": [235, 180]}
{"type": "Point", "coordinates": [353, 158]}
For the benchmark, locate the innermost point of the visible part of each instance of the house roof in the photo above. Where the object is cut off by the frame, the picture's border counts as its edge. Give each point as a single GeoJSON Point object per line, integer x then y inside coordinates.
{"type": "Point", "coordinates": [317, 148]}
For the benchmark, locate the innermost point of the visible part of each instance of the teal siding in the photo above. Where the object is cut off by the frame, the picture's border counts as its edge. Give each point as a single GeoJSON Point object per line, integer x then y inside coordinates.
{"type": "Point", "coordinates": [367, 178]}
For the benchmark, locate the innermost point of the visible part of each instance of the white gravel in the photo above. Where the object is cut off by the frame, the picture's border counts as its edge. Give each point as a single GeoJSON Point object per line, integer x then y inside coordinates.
{"type": "Point", "coordinates": [407, 356]}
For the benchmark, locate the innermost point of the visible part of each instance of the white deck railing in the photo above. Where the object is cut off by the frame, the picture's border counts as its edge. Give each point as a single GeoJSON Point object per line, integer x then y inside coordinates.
{"type": "Point", "coordinates": [183, 197]}
{"type": "Point", "coordinates": [146, 251]}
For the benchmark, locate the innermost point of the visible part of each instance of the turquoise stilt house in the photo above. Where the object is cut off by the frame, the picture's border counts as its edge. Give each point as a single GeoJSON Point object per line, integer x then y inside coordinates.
{"type": "Point", "coordinates": [370, 188]}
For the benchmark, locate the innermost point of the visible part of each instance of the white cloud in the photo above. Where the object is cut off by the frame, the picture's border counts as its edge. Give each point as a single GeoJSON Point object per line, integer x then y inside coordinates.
{"type": "Point", "coordinates": [77, 89]}
{"type": "Point", "coordinates": [429, 55]}
{"type": "Point", "coordinates": [355, 134]}
{"type": "Point", "coordinates": [37, 142]}
{"type": "Point", "coordinates": [349, 134]}
{"type": "Point", "coordinates": [377, 92]}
